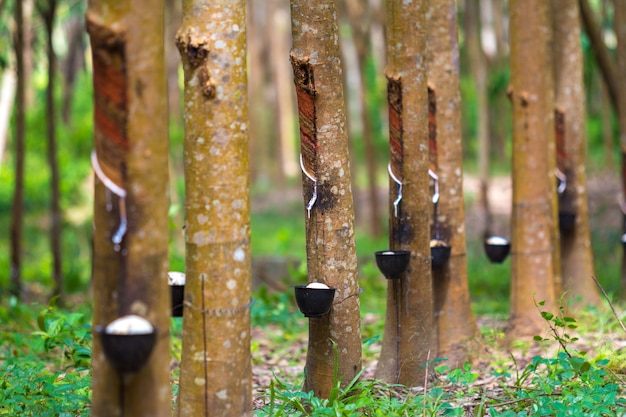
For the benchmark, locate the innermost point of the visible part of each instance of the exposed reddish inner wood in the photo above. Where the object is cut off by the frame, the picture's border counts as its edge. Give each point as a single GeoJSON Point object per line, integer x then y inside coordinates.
{"type": "Point", "coordinates": [109, 79]}
{"type": "Point", "coordinates": [308, 138]}
{"type": "Point", "coordinates": [394, 99]}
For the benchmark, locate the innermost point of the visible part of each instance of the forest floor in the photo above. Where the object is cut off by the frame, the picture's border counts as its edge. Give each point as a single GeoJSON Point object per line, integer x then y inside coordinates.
{"type": "Point", "coordinates": [281, 355]}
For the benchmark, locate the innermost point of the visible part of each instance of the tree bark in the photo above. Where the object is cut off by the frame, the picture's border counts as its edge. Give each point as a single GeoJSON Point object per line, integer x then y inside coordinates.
{"type": "Point", "coordinates": [130, 198]}
{"type": "Point", "coordinates": [600, 52]}
{"type": "Point", "coordinates": [535, 269]}
{"type": "Point", "coordinates": [619, 26]}
{"type": "Point", "coordinates": [17, 208]}
{"type": "Point", "coordinates": [408, 335]}
{"type": "Point", "coordinates": [74, 61]}
{"type": "Point", "coordinates": [173, 18]}
{"type": "Point", "coordinates": [360, 21]}
{"type": "Point", "coordinates": [478, 65]}
{"type": "Point", "coordinates": [216, 369]}
{"type": "Point", "coordinates": [453, 312]}
{"type": "Point", "coordinates": [7, 100]}
{"type": "Point", "coordinates": [334, 339]}
{"type": "Point", "coordinates": [48, 13]}
{"type": "Point", "coordinates": [576, 255]}
{"type": "Point", "coordinates": [28, 45]}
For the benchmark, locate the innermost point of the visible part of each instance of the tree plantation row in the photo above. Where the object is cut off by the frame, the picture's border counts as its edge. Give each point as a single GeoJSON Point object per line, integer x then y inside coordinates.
{"type": "Point", "coordinates": [428, 311]}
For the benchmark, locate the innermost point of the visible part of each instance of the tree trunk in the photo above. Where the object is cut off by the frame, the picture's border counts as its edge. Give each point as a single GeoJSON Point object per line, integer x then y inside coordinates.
{"type": "Point", "coordinates": [48, 13]}
{"type": "Point", "coordinates": [478, 65]}
{"type": "Point", "coordinates": [172, 58]}
{"type": "Point", "coordinates": [620, 31]}
{"type": "Point", "coordinates": [360, 21]}
{"type": "Point", "coordinates": [216, 369]}
{"type": "Point", "coordinates": [130, 198]}
{"type": "Point", "coordinates": [606, 112]}
{"type": "Point", "coordinates": [17, 209]}
{"type": "Point", "coordinates": [284, 113]}
{"type": "Point", "coordinates": [334, 339]}
{"type": "Point", "coordinates": [453, 311]}
{"type": "Point", "coordinates": [7, 99]}
{"type": "Point", "coordinates": [73, 62]}
{"type": "Point", "coordinates": [408, 336]}
{"type": "Point", "coordinates": [28, 45]}
{"type": "Point", "coordinates": [576, 255]}
{"type": "Point", "coordinates": [535, 269]}
{"type": "Point", "coordinates": [600, 52]}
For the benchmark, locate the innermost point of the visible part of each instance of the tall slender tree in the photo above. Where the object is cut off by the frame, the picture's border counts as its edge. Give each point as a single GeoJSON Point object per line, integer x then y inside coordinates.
{"type": "Point", "coordinates": [453, 311]}
{"type": "Point", "coordinates": [619, 26]}
{"type": "Point", "coordinates": [360, 17]}
{"type": "Point", "coordinates": [408, 336]}
{"type": "Point", "coordinates": [535, 269]}
{"type": "Point", "coordinates": [216, 370]}
{"type": "Point", "coordinates": [17, 209]}
{"type": "Point", "coordinates": [47, 10]}
{"type": "Point", "coordinates": [478, 67]}
{"type": "Point", "coordinates": [334, 339]}
{"type": "Point", "coordinates": [576, 255]}
{"type": "Point", "coordinates": [130, 198]}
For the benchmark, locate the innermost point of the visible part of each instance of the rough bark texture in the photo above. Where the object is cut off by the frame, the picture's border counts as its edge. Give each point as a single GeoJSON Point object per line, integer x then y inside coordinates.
{"type": "Point", "coordinates": [334, 339]}
{"type": "Point", "coordinates": [453, 312]}
{"type": "Point", "coordinates": [408, 336]}
{"type": "Point", "coordinates": [576, 255]}
{"type": "Point", "coordinates": [48, 13]}
{"type": "Point", "coordinates": [131, 147]}
{"type": "Point", "coordinates": [17, 207]}
{"type": "Point", "coordinates": [216, 370]}
{"type": "Point", "coordinates": [535, 269]}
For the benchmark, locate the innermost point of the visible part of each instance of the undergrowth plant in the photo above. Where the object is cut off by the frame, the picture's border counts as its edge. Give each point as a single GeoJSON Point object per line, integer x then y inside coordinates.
{"type": "Point", "coordinates": [45, 372]}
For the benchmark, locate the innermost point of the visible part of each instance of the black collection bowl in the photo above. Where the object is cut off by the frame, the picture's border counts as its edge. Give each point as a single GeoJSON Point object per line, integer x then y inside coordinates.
{"type": "Point", "coordinates": [176, 281]}
{"type": "Point", "coordinates": [392, 263]}
{"type": "Point", "coordinates": [178, 296]}
{"type": "Point", "coordinates": [314, 302]}
{"type": "Point", "coordinates": [127, 353]}
{"type": "Point", "coordinates": [497, 248]}
{"type": "Point", "coordinates": [567, 220]}
{"type": "Point", "coordinates": [439, 253]}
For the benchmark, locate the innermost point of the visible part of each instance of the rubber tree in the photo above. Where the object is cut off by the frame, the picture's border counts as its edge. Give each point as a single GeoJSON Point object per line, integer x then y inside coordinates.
{"type": "Point", "coordinates": [619, 26]}
{"type": "Point", "coordinates": [535, 269]}
{"type": "Point", "coordinates": [130, 158]}
{"type": "Point", "coordinates": [576, 255]}
{"type": "Point", "coordinates": [478, 67]}
{"type": "Point", "coordinates": [360, 18]}
{"type": "Point", "coordinates": [408, 340]}
{"type": "Point", "coordinates": [17, 207]}
{"type": "Point", "coordinates": [453, 312]}
{"type": "Point", "coordinates": [216, 369]}
{"type": "Point", "coordinates": [614, 75]}
{"type": "Point", "coordinates": [335, 338]}
{"type": "Point", "coordinates": [47, 10]}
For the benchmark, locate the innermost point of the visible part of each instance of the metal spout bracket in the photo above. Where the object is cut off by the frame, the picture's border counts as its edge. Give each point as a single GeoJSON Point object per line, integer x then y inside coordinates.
{"type": "Point", "coordinates": [396, 202]}
{"type": "Point", "coordinates": [435, 178]}
{"type": "Point", "coordinates": [118, 191]}
{"type": "Point", "coordinates": [313, 199]}
{"type": "Point", "coordinates": [562, 183]}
